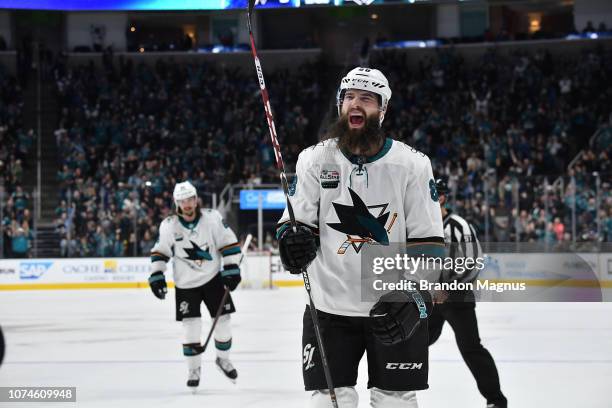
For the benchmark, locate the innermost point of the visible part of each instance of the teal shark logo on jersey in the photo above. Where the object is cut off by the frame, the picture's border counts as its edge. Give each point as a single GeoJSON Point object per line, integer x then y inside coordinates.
{"type": "Point", "coordinates": [360, 225]}
{"type": "Point", "coordinates": [197, 254]}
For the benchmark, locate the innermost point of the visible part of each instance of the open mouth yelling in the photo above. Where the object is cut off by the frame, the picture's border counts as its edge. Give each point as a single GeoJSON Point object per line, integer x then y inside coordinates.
{"type": "Point", "coordinates": [356, 119]}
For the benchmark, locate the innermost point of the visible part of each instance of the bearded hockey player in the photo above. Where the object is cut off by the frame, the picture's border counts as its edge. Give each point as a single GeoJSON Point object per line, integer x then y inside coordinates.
{"type": "Point", "coordinates": [205, 255]}
{"type": "Point", "coordinates": [358, 188]}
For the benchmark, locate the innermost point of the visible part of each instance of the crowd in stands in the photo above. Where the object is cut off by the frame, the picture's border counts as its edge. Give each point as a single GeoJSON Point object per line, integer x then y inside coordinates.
{"type": "Point", "coordinates": [15, 143]}
{"type": "Point", "coordinates": [508, 122]}
{"type": "Point", "coordinates": [128, 132]}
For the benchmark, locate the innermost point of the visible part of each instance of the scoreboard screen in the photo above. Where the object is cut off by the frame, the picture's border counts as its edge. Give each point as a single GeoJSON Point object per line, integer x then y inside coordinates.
{"type": "Point", "coordinates": [94, 5]}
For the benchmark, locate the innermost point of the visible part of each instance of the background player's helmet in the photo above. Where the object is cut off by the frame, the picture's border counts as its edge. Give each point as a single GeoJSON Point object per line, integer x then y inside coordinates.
{"type": "Point", "coordinates": [366, 79]}
{"type": "Point", "coordinates": [182, 191]}
{"type": "Point", "coordinates": [441, 186]}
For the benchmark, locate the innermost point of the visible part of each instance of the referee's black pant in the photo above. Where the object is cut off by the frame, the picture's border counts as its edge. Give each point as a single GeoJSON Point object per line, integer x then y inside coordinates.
{"type": "Point", "coordinates": [461, 315]}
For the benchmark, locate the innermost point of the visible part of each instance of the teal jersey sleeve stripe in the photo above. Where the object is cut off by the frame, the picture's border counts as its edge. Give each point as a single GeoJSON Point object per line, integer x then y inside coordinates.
{"type": "Point", "coordinates": [230, 271]}
{"type": "Point", "coordinates": [157, 258]}
{"type": "Point", "coordinates": [230, 251]}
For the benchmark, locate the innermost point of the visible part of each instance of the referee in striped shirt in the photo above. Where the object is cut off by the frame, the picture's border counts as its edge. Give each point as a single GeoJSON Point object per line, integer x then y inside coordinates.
{"type": "Point", "coordinates": [458, 308]}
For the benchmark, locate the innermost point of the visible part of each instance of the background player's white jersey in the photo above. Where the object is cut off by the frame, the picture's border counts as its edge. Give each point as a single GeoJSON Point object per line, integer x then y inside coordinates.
{"type": "Point", "coordinates": [199, 249]}
{"type": "Point", "coordinates": [391, 197]}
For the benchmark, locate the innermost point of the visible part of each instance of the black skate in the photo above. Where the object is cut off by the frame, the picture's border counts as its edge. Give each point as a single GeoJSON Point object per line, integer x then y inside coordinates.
{"type": "Point", "coordinates": [227, 368]}
{"type": "Point", "coordinates": [193, 380]}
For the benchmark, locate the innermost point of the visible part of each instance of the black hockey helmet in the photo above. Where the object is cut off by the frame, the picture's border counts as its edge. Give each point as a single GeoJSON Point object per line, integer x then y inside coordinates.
{"type": "Point", "coordinates": [441, 186]}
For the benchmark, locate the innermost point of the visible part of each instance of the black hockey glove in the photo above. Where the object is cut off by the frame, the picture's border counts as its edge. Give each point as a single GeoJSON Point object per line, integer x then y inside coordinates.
{"type": "Point", "coordinates": [297, 249]}
{"type": "Point", "coordinates": [157, 282]}
{"type": "Point", "coordinates": [231, 276]}
{"type": "Point", "coordinates": [397, 315]}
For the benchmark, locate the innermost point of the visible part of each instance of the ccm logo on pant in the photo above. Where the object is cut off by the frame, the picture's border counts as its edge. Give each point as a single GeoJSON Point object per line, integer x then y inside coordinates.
{"type": "Point", "coordinates": [404, 366]}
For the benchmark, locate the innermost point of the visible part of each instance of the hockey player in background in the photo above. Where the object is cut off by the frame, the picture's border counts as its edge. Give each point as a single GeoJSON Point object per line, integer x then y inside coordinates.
{"type": "Point", "coordinates": [357, 188]}
{"type": "Point", "coordinates": [206, 255]}
{"type": "Point", "coordinates": [458, 308]}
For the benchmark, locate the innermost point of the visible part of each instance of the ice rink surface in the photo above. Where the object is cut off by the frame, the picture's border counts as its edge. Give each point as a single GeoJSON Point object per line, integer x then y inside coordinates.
{"type": "Point", "coordinates": [122, 348]}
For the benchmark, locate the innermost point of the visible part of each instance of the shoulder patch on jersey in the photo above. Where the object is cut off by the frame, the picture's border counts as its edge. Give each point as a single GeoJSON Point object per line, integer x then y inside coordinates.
{"type": "Point", "coordinates": [433, 192]}
{"type": "Point", "coordinates": [330, 176]}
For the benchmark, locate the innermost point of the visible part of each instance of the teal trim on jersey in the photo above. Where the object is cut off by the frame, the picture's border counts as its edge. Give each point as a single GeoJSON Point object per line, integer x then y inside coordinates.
{"type": "Point", "coordinates": [223, 345]}
{"type": "Point", "coordinates": [282, 229]}
{"type": "Point", "coordinates": [428, 250]}
{"type": "Point", "coordinates": [190, 225]}
{"type": "Point", "coordinates": [157, 258]}
{"type": "Point", "coordinates": [385, 149]}
{"type": "Point", "coordinates": [230, 272]}
{"type": "Point", "coordinates": [230, 251]}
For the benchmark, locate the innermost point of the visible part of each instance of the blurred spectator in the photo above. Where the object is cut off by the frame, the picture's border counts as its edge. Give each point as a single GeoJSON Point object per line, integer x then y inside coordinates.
{"type": "Point", "coordinates": [602, 28]}
{"type": "Point", "coordinates": [589, 28]}
{"type": "Point", "coordinates": [20, 240]}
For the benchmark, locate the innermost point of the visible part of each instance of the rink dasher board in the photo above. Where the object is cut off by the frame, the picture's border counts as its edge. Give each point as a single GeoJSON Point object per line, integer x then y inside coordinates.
{"type": "Point", "coordinates": [99, 273]}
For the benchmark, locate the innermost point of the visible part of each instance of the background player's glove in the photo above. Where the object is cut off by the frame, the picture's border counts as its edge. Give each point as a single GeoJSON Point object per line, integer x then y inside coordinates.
{"type": "Point", "coordinates": [297, 249]}
{"type": "Point", "coordinates": [397, 315]}
{"type": "Point", "coordinates": [231, 276]}
{"type": "Point", "coordinates": [157, 282]}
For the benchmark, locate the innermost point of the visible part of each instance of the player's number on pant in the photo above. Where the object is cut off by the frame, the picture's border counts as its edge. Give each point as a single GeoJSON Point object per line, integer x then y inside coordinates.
{"type": "Point", "coordinates": [308, 353]}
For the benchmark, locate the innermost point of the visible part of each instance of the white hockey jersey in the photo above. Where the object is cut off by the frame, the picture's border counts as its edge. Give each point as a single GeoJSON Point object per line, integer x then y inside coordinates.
{"type": "Point", "coordinates": [199, 249]}
{"type": "Point", "coordinates": [352, 202]}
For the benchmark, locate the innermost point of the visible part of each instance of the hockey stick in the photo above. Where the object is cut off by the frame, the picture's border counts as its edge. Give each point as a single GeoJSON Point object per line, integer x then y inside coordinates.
{"type": "Point", "coordinates": [283, 178]}
{"type": "Point", "coordinates": [247, 242]}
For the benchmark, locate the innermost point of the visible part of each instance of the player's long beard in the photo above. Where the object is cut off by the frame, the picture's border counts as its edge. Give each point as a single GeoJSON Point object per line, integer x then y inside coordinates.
{"type": "Point", "coordinates": [365, 140]}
